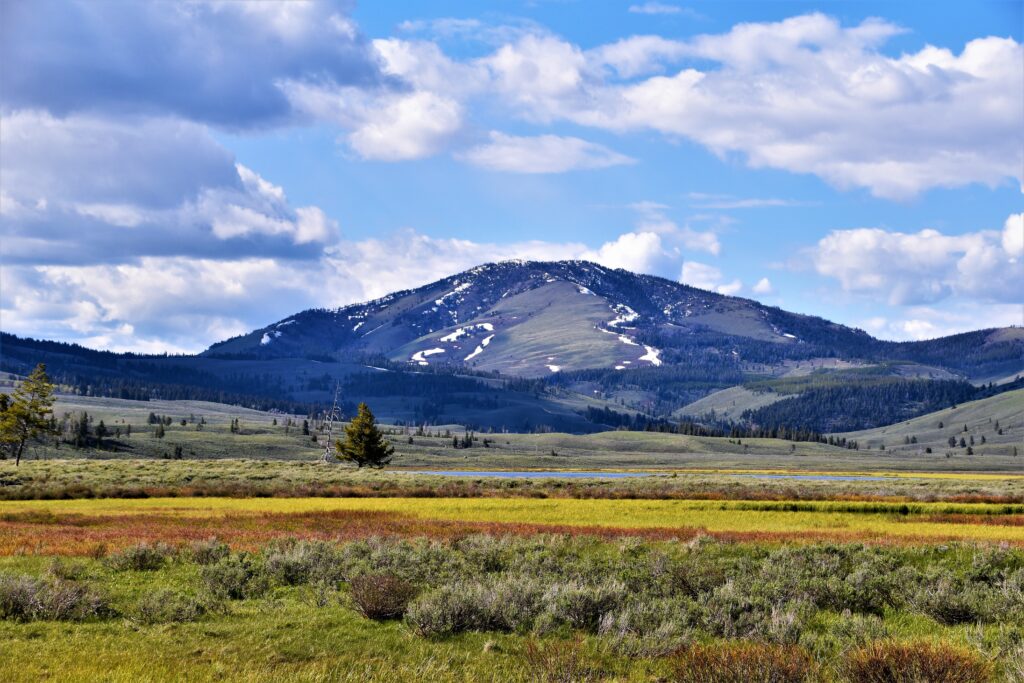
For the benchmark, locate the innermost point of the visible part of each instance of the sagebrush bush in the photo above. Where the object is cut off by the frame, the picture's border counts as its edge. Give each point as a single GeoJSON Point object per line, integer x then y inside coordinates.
{"type": "Point", "coordinates": [68, 570]}
{"type": "Point", "coordinates": [733, 611]}
{"type": "Point", "coordinates": [236, 577]}
{"type": "Point", "coordinates": [915, 662]}
{"type": "Point", "coordinates": [381, 596]}
{"type": "Point", "coordinates": [166, 606]}
{"type": "Point", "coordinates": [24, 598]}
{"type": "Point", "coordinates": [579, 605]}
{"type": "Point", "coordinates": [647, 628]}
{"type": "Point", "coordinates": [742, 662]}
{"type": "Point", "coordinates": [953, 601]}
{"type": "Point", "coordinates": [450, 609]}
{"type": "Point", "coordinates": [294, 563]}
{"type": "Point", "coordinates": [208, 551]}
{"type": "Point", "coordinates": [144, 557]}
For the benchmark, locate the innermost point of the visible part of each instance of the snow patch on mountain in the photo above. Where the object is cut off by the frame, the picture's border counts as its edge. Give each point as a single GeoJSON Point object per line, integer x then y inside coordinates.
{"type": "Point", "coordinates": [454, 336]}
{"type": "Point", "coordinates": [651, 356]}
{"type": "Point", "coordinates": [625, 314]}
{"type": "Point", "coordinates": [554, 368]}
{"type": "Point", "coordinates": [269, 337]}
{"type": "Point", "coordinates": [626, 340]}
{"type": "Point", "coordinates": [460, 288]}
{"type": "Point", "coordinates": [480, 348]}
{"type": "Point", "coordinates": [420, 356]}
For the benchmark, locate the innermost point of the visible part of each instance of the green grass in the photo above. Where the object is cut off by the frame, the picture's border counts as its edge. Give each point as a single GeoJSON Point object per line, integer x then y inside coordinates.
{"type": "Point", "coordinates": [980, 417]}
{"type": "Point", "coordinates": [288, 635]}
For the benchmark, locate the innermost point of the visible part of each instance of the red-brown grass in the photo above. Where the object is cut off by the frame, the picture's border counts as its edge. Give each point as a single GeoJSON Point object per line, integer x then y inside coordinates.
{"type": "Point", "coordinates": [48, 533]}
{"type": "Point", "coordinates": [915, 662]}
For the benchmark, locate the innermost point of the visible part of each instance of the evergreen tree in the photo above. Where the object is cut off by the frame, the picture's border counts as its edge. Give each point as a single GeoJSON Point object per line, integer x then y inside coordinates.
{"type": "Point", "coordinates": [101, 432]}
{"type": "Point", "coordinates": [364, 443]}
{"type": "Point", "coordinates": [27, 413]}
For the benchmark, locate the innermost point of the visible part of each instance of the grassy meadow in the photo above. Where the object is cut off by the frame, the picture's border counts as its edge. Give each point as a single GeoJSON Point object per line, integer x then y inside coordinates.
{"type": "Point", "coordinates": [246, 558]}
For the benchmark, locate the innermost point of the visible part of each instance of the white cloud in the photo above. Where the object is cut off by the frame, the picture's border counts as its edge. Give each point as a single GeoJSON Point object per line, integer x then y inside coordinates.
{"type": "Point", "coordinates": [1013, 235]}
{"type": "Point", "coordinates": [704, 276]}
{"type": "Point", "coordinates": [926, 322]}
{"type": "Point", "coordinates": [654, 219]}
{"type": "Point", "coordinates": [639, 252]}
{"type": "Point", "coordinates": [923, 267]}
{"type": "Point", "coordinates": [763, 286]}
{"type": "Point", "coordinates": [701, 200]}
{"type": "Point", "coordinates": [541, 154]}
{"type": "Point", "coordinates": [82, 189]}
{"type": "Point", "coordinates": [655, 8]}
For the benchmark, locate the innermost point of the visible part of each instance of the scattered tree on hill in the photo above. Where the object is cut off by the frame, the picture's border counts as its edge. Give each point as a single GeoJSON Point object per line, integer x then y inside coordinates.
{"type": "Point", "coordinates": [27, 414]}
{"type": "Point", "coordinates": [364, 443]}
{"type": "Point", "coordinates": [101, 433]}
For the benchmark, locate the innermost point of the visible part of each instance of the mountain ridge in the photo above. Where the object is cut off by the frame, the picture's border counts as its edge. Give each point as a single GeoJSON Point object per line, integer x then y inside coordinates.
{"type": "Point", "coordinates": [534, 318]}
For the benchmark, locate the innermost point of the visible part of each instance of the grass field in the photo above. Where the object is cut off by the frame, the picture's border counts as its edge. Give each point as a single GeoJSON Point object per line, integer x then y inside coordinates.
{"type": "Point", "coordinates": [79, 526]}
{"type": "Point", "coordinates": [549, 579]}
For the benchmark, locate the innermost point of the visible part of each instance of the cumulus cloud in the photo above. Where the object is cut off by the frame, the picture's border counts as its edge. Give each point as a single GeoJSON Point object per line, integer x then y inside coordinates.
{"type": "Point", "coordinates": [215, 62]}
{"type": "Point", "coordinates": [639, 252]}
{"type": "Point", "coordinates": [704, 276]}
{"type": "Point", "coordinates": [928, 322]}
{"type": "Point", "coordinates": [763, 286]}
{"type": "Point", "coordinates": [175, 303]}
{"type": "Point", "coordinates": [805, 95]}
{"type": "Point", "coordinates": [83, 189]}
{"type": "Point", "coordinates": [542, 154]}
{"type": "Point", "coordinates": [654, 219]}
{"type": "Point", "coordinates": [926, 266]}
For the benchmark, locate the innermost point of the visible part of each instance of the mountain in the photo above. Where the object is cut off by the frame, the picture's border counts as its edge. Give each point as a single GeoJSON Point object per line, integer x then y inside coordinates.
{"type": "Point", "coordinates": [533, 319]}
{"type": "Point", "coordinates": [569, 346]}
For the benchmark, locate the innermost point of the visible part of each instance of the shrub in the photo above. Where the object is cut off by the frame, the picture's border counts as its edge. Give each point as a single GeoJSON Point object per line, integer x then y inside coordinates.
{"type": "Point", "coordinates": [23, 598]}
{"type": "Point", "coordinates": [646, 628]}
{"type": "Point", "coordinates": [236, 577]}
{"type": "Point", "coordinates": [60, 568]}
{"type": "Point", "coordinates": [164, 607]}
{"type": "Point", "coordinates": [447, 610]}
{"type": "Point", "coordinates": [500, 604]}
{"type": "Point", "coordinates": [209, 551]}
{"type": "Point", "coordinates": [579, 605]}
{"type": "Point", "coordinates": [742, 662]}
{"type": "Point", "coordinates": [142, 557]}
{"type": "Point", "coordinates": [381, 596]}
{"type": "Point", "coordinates": [560, 661]}
{"type": "Point", "coordinates": [920, 662]}
{"type": "Point", "coordinates": [735, 612]}
{"type": "Point", "coordinates": [950, 601]}
{"type": "Point", "coordinates": [296, 563]}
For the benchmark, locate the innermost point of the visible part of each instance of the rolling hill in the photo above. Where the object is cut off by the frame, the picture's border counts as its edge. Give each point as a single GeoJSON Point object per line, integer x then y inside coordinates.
{"type": "Point", "coordinates": [567, 345]}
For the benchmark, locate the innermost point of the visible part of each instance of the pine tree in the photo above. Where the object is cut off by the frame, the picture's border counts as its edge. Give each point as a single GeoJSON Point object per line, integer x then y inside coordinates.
{"type": "Point", "coordinates": [28, 412]}
{"type": "Point", "coordinates": [364, 443]}
{"type": "Point", "coordinates": [101, 432]}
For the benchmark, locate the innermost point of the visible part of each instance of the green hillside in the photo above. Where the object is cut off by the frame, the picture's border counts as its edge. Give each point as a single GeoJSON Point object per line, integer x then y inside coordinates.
{"type": "Point", "coordinates": [983, 418]}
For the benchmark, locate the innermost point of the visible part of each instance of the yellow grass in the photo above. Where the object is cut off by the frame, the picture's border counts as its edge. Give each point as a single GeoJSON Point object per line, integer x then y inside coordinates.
{"type": "Point", "coordinates": [838, 520]}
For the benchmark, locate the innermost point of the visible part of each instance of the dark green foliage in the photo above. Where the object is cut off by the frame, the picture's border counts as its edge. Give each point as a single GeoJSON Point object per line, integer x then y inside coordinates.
{"type": "Point", "coordinates": [850, 407]}
{"type": "Point", "coordinates": [364, 443]}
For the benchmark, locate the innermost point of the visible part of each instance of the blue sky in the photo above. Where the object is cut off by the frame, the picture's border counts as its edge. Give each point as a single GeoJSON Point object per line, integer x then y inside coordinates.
{"type": "Point", "coordinates": [175, 174]}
